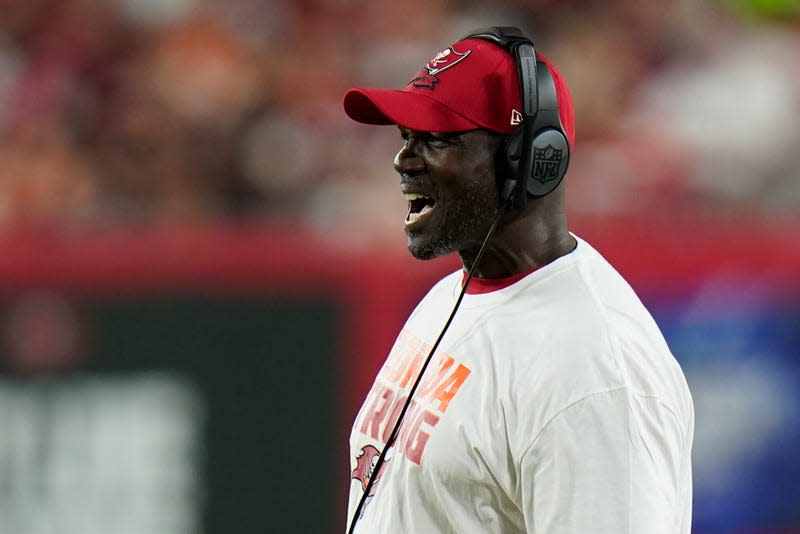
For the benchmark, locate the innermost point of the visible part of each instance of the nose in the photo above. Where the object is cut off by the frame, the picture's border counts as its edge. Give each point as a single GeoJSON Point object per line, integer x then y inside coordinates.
{"type": "Point", "coordinates": [408, 160]}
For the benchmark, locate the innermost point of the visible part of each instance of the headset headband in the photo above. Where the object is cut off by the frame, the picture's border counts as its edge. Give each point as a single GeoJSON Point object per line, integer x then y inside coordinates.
{"type": "Point", "coordinates": [539, 113]}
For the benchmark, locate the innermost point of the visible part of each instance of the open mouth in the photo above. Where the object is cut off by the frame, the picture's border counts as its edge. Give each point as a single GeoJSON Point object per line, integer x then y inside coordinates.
{"type": "Point", "coordinates": [419, 206]}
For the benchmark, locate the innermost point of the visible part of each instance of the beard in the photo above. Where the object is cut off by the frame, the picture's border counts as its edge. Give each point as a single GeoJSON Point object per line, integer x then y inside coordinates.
{"type": "Point", "coordinates": [466, 222]}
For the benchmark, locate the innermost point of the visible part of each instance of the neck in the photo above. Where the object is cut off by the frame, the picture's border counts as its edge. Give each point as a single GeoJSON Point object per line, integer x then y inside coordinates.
{"type": "Point", "coordinates": [524, 242]}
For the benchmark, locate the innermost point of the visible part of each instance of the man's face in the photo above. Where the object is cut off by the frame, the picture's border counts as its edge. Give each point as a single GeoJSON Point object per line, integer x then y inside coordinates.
{"type": "Point", "coordinates": [449, 182]}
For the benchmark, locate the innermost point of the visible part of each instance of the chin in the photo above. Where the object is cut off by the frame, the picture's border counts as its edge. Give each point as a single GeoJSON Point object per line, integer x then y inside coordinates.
{"type": "Point", "coordinates": [422, 254]}
{"type": "Point", "coordinates": [429, 250]}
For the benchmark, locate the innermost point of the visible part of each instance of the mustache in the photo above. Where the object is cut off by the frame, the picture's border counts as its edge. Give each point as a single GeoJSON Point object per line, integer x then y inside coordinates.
{"type": "Point", "coordinates": [415, 180]}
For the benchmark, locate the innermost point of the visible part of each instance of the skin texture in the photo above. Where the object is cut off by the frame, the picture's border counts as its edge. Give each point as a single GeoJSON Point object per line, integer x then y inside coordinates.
{"type": "Point", "coordinates": [458, 172]}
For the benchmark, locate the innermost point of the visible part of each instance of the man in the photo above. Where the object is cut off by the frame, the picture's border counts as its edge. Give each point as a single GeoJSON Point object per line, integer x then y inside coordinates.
{"type": "Point", "coordinates": [551, 403]}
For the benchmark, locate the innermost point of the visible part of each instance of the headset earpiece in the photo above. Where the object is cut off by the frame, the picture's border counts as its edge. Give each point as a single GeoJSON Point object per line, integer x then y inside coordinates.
{"type": "Point", "coordinates": [537, 153]}
{"type": "Point", "coordinates": [550, 161]}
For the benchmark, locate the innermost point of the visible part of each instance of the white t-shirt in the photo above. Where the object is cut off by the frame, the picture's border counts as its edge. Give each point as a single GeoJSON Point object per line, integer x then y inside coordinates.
{"type": "Point", "coordinates": [552, 406]}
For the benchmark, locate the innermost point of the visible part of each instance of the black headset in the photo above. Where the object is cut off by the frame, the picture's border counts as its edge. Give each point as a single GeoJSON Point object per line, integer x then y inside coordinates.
{"type": "Point", "coordinates": [536, 155]}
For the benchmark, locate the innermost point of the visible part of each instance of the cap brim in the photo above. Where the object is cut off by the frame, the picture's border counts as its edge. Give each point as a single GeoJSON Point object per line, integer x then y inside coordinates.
{"type": "Point", "coordinates": [414, 111]}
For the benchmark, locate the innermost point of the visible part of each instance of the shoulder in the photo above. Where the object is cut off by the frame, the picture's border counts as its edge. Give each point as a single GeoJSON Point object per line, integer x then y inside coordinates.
{"type": "Point", "coordinates": [580, 332]}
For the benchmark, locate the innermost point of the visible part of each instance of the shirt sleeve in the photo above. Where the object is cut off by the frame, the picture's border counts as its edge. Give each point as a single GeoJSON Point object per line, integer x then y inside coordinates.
{"type": "Point", "coordinates": [609, 463]}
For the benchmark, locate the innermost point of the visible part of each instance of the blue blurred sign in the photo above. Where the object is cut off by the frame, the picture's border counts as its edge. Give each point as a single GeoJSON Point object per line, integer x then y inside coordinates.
{"type": "Point", "coordinates": [737, 340]}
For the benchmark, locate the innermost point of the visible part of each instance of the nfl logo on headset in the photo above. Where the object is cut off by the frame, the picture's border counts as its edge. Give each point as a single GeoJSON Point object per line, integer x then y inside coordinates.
{"type": "Point", "coordinates": [546, 163]}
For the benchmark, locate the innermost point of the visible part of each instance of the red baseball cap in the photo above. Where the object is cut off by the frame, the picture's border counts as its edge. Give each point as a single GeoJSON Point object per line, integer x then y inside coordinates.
{"type": "Point", "coordinates": [469, 85]}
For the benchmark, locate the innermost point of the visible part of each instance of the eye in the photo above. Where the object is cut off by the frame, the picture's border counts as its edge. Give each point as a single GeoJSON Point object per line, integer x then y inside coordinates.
{"type": "Point", "coordinates": [437, 141]}
{"type": "Point", "coordinates": [429, 139]}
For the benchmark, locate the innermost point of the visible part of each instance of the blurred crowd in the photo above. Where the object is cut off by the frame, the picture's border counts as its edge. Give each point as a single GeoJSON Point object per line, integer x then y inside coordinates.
{"type": "Point", "coordinates": [119, 111]}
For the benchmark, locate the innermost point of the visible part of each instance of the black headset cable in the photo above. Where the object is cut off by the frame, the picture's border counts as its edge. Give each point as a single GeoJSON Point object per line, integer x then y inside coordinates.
{"type": "Point", "coordinates": [508, 196]}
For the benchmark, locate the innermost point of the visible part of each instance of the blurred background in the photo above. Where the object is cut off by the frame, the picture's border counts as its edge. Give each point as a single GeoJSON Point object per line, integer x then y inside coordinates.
{"type": "Point", "coordinates": [202, 263]}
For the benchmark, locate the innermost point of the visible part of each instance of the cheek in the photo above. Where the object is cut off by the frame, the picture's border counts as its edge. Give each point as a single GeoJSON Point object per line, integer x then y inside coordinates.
{"type": "Point", "coordinates": [482, 183]}
{"type": "Point", "coordinates": [480, 199]}
{"type": "Point", "coordinates": [474, 200]}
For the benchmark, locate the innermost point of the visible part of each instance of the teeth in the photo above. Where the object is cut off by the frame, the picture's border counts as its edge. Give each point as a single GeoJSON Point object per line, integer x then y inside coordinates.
{"type": "Point", "coordinates": [413, 217]}
{"type": "Point", "coordinates": [413, 196]}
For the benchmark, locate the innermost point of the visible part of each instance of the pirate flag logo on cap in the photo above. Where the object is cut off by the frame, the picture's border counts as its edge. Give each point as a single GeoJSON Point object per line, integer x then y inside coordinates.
{"type": "Point", "coordinates": [426, 78]}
